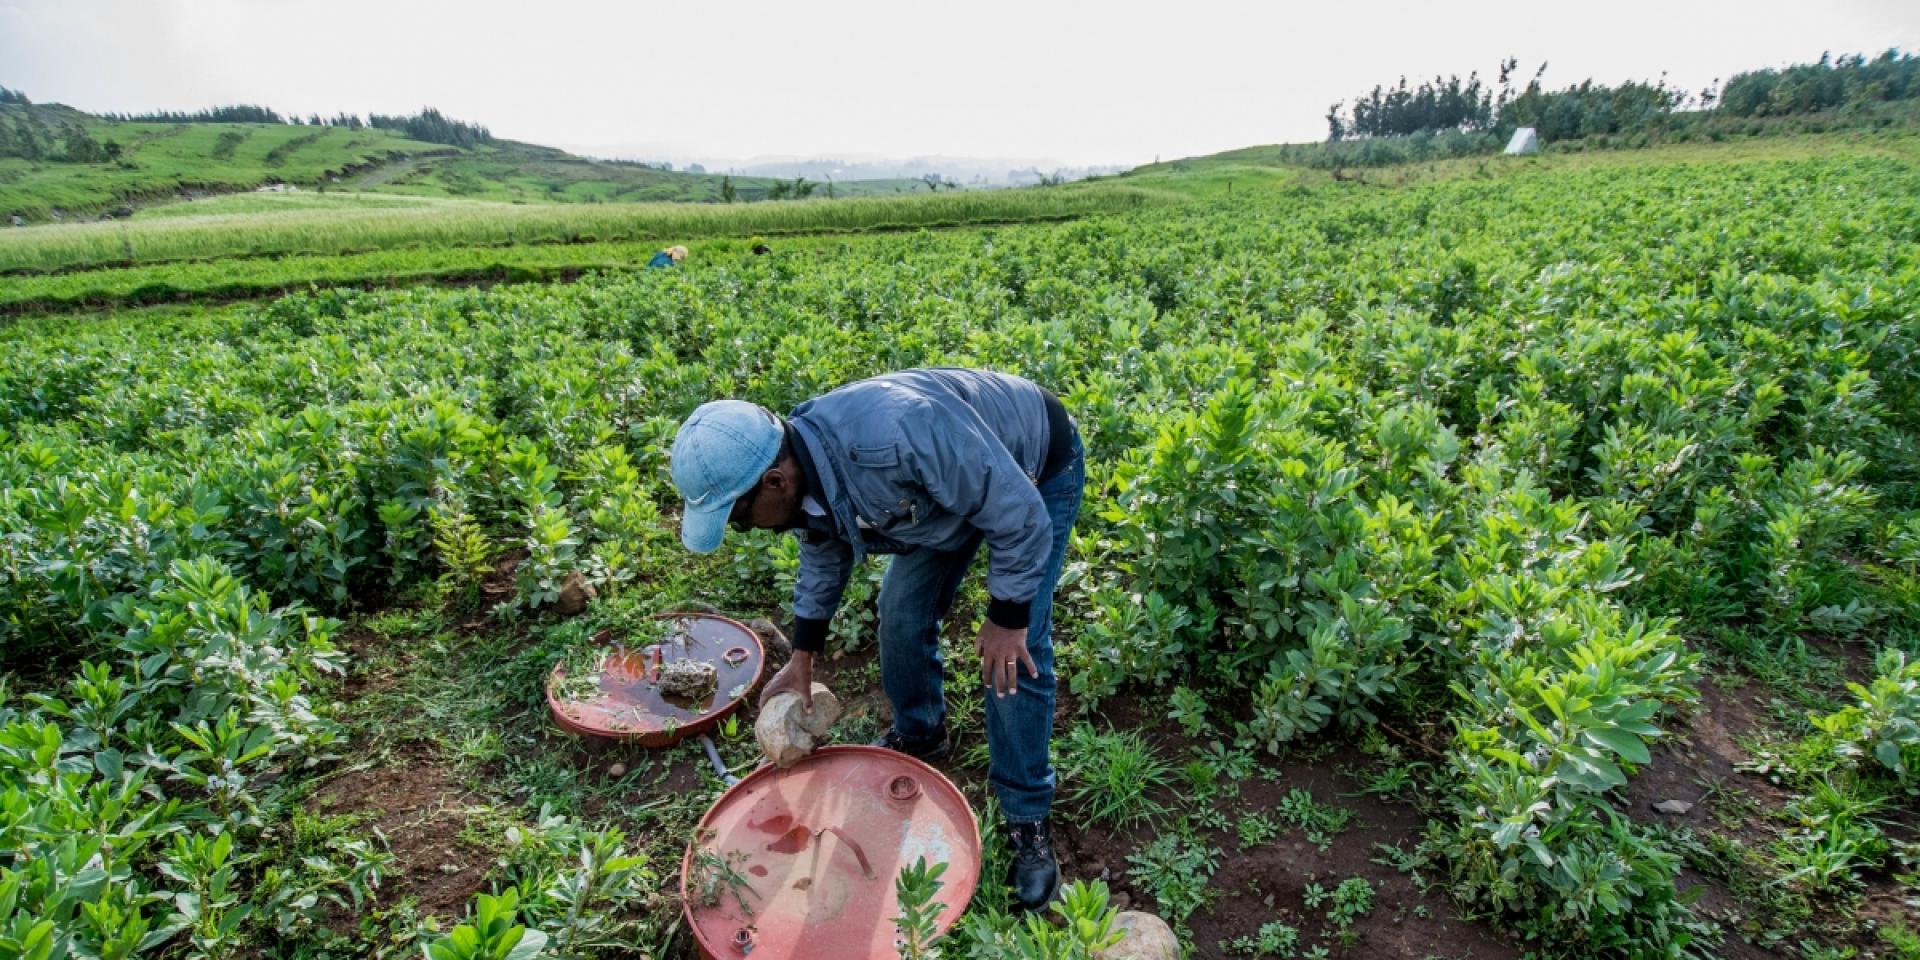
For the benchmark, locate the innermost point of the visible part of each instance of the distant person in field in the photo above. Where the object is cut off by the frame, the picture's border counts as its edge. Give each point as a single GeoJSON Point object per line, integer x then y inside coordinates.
{"type": "Point", "coordinates": [761, 249]}
{"type": "Point", "coordinates": [668, 257]}
{"type": "Point", "coordinates": [925, 465]}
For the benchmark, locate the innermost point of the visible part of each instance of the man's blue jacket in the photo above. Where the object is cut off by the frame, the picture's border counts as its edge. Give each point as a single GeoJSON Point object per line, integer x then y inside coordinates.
{"type": "Point", "coordinates": [924, 459]}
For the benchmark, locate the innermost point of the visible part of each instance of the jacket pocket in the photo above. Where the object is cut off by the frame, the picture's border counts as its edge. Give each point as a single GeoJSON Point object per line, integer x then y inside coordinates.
{"type": "Point", "coordinates": [884, 499]}
{"type": "Point", "coordinates": [875, 456]}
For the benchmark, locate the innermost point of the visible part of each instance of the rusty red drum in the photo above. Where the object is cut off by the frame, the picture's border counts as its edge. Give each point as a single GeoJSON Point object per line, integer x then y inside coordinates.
{"type": "Point", "coordinates": [624, 700]}
{"type": "Point", "coordinates": [800, 864]}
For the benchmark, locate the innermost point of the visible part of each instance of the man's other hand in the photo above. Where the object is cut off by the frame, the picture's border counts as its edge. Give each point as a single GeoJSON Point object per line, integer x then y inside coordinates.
{"type": "Point", "coordinates": [1002, 651]}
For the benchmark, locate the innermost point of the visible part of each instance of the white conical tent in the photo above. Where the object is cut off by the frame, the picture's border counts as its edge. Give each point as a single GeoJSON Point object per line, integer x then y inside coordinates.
{"type": "Point", "coordinates": [1524, 141]}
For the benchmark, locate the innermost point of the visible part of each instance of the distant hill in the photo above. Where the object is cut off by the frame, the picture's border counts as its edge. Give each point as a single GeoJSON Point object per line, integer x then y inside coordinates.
{"type": "Point", "coordinates": [58, 163]}
{"type": "Point", "coordinates": [966, 171]}
{"type": "Point", "coordinates": [166, 161]}
{"type": "Point", "coordinates": [511, 171]}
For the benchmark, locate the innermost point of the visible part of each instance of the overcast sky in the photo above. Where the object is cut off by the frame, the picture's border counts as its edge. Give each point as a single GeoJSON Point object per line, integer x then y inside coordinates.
{"type": "Point", "coordinates": [725, 79]}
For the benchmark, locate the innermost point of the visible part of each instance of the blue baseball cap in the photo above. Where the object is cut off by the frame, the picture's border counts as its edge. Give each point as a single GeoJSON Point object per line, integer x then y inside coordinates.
{"type": "Point", "coordinates": [719, 455]}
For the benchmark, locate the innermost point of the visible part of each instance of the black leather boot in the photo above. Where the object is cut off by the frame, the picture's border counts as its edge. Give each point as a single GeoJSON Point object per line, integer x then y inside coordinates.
{"type": "Point", "coordinates": [933, 748]}
{"type": "Point", "coordinates": [1034, 876]}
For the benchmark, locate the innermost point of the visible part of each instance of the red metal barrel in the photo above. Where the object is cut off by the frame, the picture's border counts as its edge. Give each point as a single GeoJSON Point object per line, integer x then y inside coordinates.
{"type": "Point", "coordinates": [800, 864]}
{"type": "Point", "coordinates": [627, 704]}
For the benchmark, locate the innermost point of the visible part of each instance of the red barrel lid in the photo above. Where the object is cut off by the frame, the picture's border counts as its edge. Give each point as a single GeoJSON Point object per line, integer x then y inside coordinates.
{"type": "Point", "coordinates": [624, 701]}
{"type": "Point", "coordinates": [800, 864]}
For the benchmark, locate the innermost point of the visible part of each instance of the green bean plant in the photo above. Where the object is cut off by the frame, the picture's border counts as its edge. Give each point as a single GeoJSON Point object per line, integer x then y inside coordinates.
{"type": "Point", "coordinates": [917, 924]}
{"type": "Point", "coordinates": [551, 541]}
{"type": "Point", "coordinates": [1884, 721]}
{"type": "Point", "coordinates": [494, 933]}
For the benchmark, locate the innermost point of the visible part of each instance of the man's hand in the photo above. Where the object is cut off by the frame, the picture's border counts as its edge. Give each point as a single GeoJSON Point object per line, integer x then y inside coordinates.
{"type": "Point", "coordinates": [1002, 651]}
{"type": "Point", "coordinates": [795, 677]}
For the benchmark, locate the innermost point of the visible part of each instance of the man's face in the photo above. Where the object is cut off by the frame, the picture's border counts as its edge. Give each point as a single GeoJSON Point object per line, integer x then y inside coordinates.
{"type": "Point", "coordinates": [773, 503]}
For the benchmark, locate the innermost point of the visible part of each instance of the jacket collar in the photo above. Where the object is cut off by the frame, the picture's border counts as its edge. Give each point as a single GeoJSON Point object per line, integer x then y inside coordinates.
{"type": "Point", "coordinates": [824, 485]}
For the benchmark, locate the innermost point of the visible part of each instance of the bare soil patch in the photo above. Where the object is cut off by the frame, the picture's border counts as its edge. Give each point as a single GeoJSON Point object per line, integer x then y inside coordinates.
{"type": "Point", "coordinates": [1700, 764]}
{"type": "Point", "coordinates": [1268, 882]}
{"type": "Point", "coordinates": [417, 803]}
{"type": "Point", "coordinates": [1699, 760]}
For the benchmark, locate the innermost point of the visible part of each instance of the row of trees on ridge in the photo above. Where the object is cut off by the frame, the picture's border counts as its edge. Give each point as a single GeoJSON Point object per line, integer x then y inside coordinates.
{"type": "Point", "coordinates": [1451, 104]}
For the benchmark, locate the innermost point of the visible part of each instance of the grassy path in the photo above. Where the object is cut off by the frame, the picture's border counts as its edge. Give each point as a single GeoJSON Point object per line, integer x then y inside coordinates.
{"type": "Point", "coordinates": [386, 172]}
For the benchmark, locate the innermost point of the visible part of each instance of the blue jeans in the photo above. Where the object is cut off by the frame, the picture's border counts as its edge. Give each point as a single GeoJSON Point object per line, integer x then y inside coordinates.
{"type": "Point", "coordinates": [918, 591]}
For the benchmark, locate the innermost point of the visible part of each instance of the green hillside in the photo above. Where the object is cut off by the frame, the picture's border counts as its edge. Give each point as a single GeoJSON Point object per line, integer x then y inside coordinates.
{"type": "Point", "coordinates": [154, 165]}
{"type": "Point", "coordinates": [165, 161]}
{"type": "Point", "coordinates": [1237, 172]}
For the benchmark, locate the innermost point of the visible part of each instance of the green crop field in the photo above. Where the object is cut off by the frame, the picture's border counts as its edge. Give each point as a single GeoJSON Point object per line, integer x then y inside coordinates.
{"type": "Point", "coordinates": [256, 203]}
{"type": "Point", "coordinates": [1497, 559]}
{"type": "Point", "coordinates": [349, 227]}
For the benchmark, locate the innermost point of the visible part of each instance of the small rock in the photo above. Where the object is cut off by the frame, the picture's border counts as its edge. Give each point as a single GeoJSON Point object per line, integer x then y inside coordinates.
{"type": "Point", "coordinates": [787, 731]}
{"type": "Point", "coordinates": [1675, 807]}
{"type": "Point", "coordinates": [1143, 936]}
{"type": "Point", "coordinates": [574, 594]}
{"type": "Point", "coordinates": [689, 680]}
{"type": "Point", "coordinates": [1121, 900]}
{"type": "Point", "coordinates": [617, 770]}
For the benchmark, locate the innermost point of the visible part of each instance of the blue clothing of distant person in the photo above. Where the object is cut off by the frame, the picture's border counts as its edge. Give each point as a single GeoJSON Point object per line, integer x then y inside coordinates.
{"type": "Point", "coordinates": [667, 258]}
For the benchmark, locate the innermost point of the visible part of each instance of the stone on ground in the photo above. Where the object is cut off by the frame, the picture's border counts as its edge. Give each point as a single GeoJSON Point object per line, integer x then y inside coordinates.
{"type": "Point", "coordinates": [574, 594]}
{"type": "Point", "coordinates": [1143, 937]}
